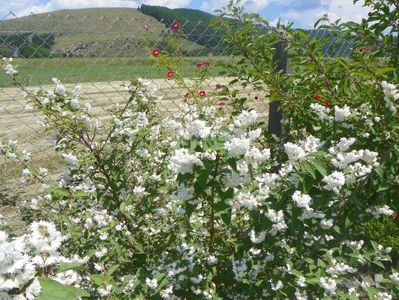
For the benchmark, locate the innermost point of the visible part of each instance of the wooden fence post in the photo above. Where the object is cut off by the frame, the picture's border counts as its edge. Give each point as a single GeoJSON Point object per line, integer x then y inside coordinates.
{"type": "Point", "coordinates": [275, 115]}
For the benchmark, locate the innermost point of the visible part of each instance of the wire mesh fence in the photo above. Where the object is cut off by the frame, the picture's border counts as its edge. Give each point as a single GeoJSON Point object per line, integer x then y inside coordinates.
{"type": "Point", "coordinates": [99, 49]}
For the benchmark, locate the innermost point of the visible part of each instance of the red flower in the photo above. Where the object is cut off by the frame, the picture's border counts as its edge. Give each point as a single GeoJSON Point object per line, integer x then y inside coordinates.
{"type": "Point", "coordinates": [326, 103]}
{"type": "Point", "coordinates": [365, 49]}
{"type": "Point", "coordinates": [393, 217]}
{"type": "Point", "coordinates": [317, 97]}
{"type": "Point", "coordinates": [218, 86]}
{"type": "Point", "coordinates": [146, 26]}
{"type": "Point", "coordinates": [202, 93]}
{"type": "Point", "coordinates": [156, 52]}
{"type": "Point", "coordinates": [170, 74]}
{"type": "Point", "coordinates": [186, 95]}
{"type": "Point", "coordinates": [175, 25]}
{"type": "Point", "coordinates": [203, 64]}
{"type": "Point", "coordinates": [221, 103]}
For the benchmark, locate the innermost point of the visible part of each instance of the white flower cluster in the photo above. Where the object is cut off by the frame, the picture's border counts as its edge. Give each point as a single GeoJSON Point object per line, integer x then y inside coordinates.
{"type": "Point", "coordinates": [391, 95]}
{"type": "Point", "coordinates": [22, 256]}
{"type": "Point", "coordinates": [378, 211]}
{"type": "Point", "coordinates": [8, 67]}
{"type": "Point", "coordinates": [321, 111]}
{"type": "Point", "coordinates": [276, 217]}
{"type": "Point", "coordinates": [334, 181]}
{"type": "Point", "coordinates": [298, 151]}
{"type": "Point", "coordinates": [183, 162]}
{"type": "Point", "coordinates": [342, 114]}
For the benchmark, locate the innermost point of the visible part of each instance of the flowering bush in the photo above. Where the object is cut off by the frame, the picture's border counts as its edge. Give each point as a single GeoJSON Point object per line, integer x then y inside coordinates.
{"type": "Point", "coordinates": [208, 205]}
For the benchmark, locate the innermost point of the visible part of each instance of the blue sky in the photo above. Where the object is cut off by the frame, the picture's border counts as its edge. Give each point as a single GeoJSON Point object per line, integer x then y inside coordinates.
{"type": "Point", "coordinates": [302, 12]}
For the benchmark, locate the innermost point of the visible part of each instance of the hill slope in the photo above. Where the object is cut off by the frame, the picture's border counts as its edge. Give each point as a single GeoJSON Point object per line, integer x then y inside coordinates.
{"type": "Point", "coordinates": [92, 32]}
{"type": "Point", "coordinates": [195, 23]}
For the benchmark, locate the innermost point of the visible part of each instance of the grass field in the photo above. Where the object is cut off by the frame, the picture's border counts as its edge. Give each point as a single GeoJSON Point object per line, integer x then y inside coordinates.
{"type": "Point", "coordinates": [39, 71]}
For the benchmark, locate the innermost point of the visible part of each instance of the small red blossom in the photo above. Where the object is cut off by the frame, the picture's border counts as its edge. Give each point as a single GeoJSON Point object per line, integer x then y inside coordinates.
{"type": "Point", "coordinates": [186, 95]}
{"type": "Point", "coordinates": [218, 86]}
{"type": "Point", "coordinates": [156, 52]}
{"type": "Point", "coordinates": [202, 93]}
{"type": "Point", "coordinates": [221, 103]}
{"type": "Point", "coordinates": [317, 97]}
{"type": "Point", "coordinates": [146, 26]}
{"type": "Point", "coordinates": [365, 49]}
{"type": "Point", "coordinates": [393, 217]}
{"type": "Point", "coordinates": [326, 103]}
{"type": "Point", "coordinates": [170, 74]}
{"type": "Point", "coordinates": [175, 25]}
{"type": "Point", "coordinates": [203, 64]}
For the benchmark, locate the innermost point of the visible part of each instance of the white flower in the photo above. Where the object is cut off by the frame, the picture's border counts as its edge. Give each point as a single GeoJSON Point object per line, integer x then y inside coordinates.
{"type": "Point", "coordinates": [75, 104]}
{"type": "Point", "coordinates": [212, 260]}
{"type": "Point", "coordinates": [377, 211]}
{"type": "Point", "coordinates": [246, 119]}
{"type": "Point", "coordinates": [275, 216]}
{"type": "Point", "coordinates": [45, 237]}
{"type": "Point", "coordinates": [255, 156]}
{"type": "Point", "coordinates": [342, 114]}
{"type": "Point", "coordinates": [183, 162]}
{"type": "Point", "coordinates": [334, 181]}
{"type": "Point", "coordinates": [257, 239]}
{"type": "Point", "coordinates": [247, 200]}
{"type": "Point", "coordinates": [301, 281]}
{"type": "Point", "coordinates": [394, 277]}
{"type": "Point", "coordinates": [301, 200]}
{"type": "Point", "coordinates": [237, 146]}
{"type": "Point", "coordinates": [329, 284]}
{"type": "Point", "coordinates": [59, 87]}
{"type": "Point", "coordinates": [152, 283]}
{"type": "Point", "coordinates": [294, 151]}
{"type": "Point", "coordinates": [9, 69]}
{"type": "Point", "coordinates": [321, 111]}
{"type": "Point", "coordinates": [277, 286]}
{"type": "Point", "coordinates": [33, 290]}
{"type": "Point", "coordinates": [198, 129]}
{"type": "Point", "coordinates": [70, 159]}
{"type": "Point", "coordinates": [326, 224]}
{"type": "Point", "coordinates": [390, 90]}
{"type": "Point", "coordinates": [369, 157]}
{"type": "Point", "coordinates": [344, 144]}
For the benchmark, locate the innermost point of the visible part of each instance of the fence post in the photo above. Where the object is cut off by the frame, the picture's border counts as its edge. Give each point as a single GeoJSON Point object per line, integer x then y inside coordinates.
{"type": "Point", "coordinates": [275, 115]}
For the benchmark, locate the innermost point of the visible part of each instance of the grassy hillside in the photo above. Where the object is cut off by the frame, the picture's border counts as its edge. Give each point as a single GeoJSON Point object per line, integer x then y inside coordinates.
{"type": "Point", "coordinates": [195, 23]}
{"type": "Point", "coordinates": [94, 32]}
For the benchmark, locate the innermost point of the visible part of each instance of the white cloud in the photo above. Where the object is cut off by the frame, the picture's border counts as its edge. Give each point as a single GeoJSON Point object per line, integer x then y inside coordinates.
{"type": "Point", "coordinates": [335, 9]}
{"type": "Point", "coordinates": [250, 5]}
{"type": "Point", "coordinates": [26, 7]}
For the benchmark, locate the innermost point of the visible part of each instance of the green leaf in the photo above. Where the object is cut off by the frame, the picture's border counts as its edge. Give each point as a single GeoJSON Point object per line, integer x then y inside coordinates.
{"type": "Point", "coordinates": [112, 269]}
{"type": "Point", "coordinates": [68, 266]}
{"type": "Point", "coordinates": [319, 167]}
{"type": "Point", "coordinates": [385, 70]}
{"type": "Point", "coordinates": [54, 290]}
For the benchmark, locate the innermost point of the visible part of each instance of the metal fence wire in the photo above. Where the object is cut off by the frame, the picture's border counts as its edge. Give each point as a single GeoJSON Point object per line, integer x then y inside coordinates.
{"type": "Point", "coordinates": [99, 49]}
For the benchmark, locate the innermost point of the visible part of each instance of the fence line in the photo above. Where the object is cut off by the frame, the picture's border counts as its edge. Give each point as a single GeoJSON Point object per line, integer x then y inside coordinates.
{"type": "Point", "coordinates": [99, 52]}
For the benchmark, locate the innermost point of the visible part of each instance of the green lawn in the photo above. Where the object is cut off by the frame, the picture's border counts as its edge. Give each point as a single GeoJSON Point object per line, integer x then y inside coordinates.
{"type": "Point", "coordinates": [39, 71]}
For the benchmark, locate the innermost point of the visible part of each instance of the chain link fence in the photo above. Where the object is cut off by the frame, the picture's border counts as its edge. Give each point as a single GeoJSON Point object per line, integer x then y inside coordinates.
{"type": "Point", "coordinates": [99, 49]}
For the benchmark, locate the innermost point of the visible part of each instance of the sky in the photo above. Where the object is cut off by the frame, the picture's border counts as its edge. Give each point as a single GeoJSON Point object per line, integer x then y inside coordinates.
{"type": "Point", "coordinates": [302, 12]}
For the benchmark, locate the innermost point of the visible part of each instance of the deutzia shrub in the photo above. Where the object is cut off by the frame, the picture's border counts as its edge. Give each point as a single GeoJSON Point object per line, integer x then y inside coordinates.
{"type": "Point", "coordinates": [206, 204]}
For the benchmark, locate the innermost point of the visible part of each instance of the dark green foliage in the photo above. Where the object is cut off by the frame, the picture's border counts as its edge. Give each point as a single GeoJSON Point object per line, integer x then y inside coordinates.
{"type": "Point", "coordinates": [194, 23]}
{"type": "Point", "coordinates": [27, 45]}
{"type": "Point", "coordinates": [45, 40]}
{"type": "Point", "coordinates": [383, 231]}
